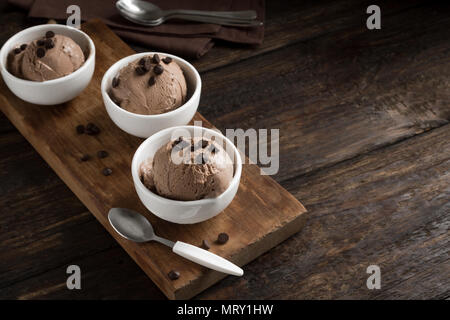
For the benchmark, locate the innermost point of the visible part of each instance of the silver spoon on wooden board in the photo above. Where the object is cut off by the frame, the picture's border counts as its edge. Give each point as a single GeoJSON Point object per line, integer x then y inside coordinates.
{"type": "Point", "coordinates": [146, 13]}
{"type": "Point", "coordinates": [135, 227]}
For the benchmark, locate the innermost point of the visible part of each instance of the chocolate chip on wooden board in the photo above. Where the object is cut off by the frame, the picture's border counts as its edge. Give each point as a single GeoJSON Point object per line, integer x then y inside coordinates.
{"type": "Point", "coordinates": [92, 129]}
{"type": "Point", "coordinates": [80, 129]}
{"type": "Point", "coordinates": [102, 154]}
{"type": "Point", "coordinates": [222, 238]}
{"type": "Point", "coordinates": [173, 275]}
{"type": "Point", "coordinates": [107, 171]}
{"type": "Point", "coordinates": [85, 157]}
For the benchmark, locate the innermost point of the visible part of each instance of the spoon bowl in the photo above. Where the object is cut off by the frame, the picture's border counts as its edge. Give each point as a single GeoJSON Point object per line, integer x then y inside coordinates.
{"type": "Point", "coordinates": [140, 9]}
{"type": "Point", "coordinates": [131, 225]}
{"type": "Point", "coordinates": [146, 13]}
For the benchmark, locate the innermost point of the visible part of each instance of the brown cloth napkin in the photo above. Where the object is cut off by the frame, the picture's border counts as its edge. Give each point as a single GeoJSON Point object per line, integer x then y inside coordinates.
{"type": "Point", "coordinates": [178, 37]}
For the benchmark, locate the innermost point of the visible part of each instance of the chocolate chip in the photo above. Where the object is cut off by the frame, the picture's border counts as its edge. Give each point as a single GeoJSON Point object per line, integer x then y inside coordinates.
{"type": "Point", "coordinates": [179, 144]}
{"type": "Point", "coordinates": [17, 51]}
{"type": "Point", "coordinates": [80, 129]}
{"type": "Point", "coordinates": [205, 245]}
{"type": "Point", "coordinates": [204, 143]}
{"type": "Point", "coordinates": [49, 34]}
{"type": "Point", "coordinates": [213, 149]}
{"type": "Point", "coordinates": [23, 46]}
{"type": "Point", "coordinates": [151, 81]}
{"type": "Point", "coordinates": [178, 140]}
{"type": "Point", "coordinates": [49, 44]}
{"type": "Point", "coordinates": [144, 64]}
{"type": "Point", "coordinates": [156, 58]}
{"type": "Point", "coordinates": [106, 171]}
{"type": "Point", "coordinates": [222, 238]}
{"type": "Point", "coordinates": [40, 42]}
{"type": "Point", "coordinates": [115, 82]}
{"type": "Point", "coordinates": [92, 129]}
{"type": "Point", "coordinates": [192, 148]}
{"type": "Point", "coordinates": [85, 157]}
{"type": "Point", "coordinates": [148, 63]}
{"type": "Point", "coordinates": [93, 132]}
{"type": "Point", "coordinates": [158, 69]}
{"type": "Point", "coordinates": [40, 52]}
{"type": "Point", "coordinates": [173, 275]}
{"type": "Point", "coordinates": [140, 70]}
{"type": "Point", "coordinates": [102, 154]}
{"type": "Point", "coordinates": [167, 60]}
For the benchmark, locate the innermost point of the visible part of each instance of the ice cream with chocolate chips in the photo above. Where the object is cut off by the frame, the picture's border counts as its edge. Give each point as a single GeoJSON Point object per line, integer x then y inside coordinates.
{"type": "Point", "coordinates": [188, 169]}
{"type": "Point", "coordinates": [149, 85]}
{"type": "Point", "coordinates": [50, 57]}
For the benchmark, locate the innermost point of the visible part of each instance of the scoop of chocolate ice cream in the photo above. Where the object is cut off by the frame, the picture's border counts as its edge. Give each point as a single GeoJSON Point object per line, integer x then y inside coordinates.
{"type": "Point", "coordinates": [50, 57]}
{"type": "Point", "coordinates": [146, 174]}
{"type": "Point", "coordinates": [150, 85]}
{"type": "Point", "coordinates": [188, 169]}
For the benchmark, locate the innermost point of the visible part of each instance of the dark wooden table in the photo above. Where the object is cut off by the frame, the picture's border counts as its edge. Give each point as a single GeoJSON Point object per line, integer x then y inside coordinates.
{"type": "Point", "coordinates": [364, 143]}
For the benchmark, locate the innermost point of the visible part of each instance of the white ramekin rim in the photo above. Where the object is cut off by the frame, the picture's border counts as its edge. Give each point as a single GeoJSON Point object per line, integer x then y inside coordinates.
{"type": "Point", "coordinates": [117, 66]}
{"type": "Point", "coordinates": [15, 39]}
{"type": "Point", "coordinates": [147, 192]}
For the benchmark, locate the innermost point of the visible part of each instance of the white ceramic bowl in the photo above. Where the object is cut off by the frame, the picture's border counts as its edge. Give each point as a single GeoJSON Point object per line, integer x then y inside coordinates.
{"type": "Point", "coordinates": [54, 91]}
{"type": "Point", "coordinates": [144, 126]}
{"type": "Point", "coordinates": [184, 212]}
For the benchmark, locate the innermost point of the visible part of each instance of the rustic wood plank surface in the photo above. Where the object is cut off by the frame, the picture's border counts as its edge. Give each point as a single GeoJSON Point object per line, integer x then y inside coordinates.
{"type": "Point", "coordinates": [367, 216]}
{"type": "Point", "coordinates": [363, 118]}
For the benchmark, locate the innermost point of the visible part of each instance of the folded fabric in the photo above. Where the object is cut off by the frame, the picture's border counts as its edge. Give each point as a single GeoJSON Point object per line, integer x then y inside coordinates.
{"type": "Point", "coordinates": [180, 37]}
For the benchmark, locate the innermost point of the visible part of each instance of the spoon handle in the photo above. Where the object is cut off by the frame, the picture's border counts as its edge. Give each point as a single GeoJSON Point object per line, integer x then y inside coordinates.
{"type": "Point", "coordinates": [237, 15]}
{"type": "Point", "coordinates": [217, 20]}
{"type": "Point", "coordinates": [206, 258]}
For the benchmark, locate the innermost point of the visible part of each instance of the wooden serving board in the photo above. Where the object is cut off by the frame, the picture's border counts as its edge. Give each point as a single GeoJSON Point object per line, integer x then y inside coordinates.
{"type": "Point", "coordinates": [262, 214]}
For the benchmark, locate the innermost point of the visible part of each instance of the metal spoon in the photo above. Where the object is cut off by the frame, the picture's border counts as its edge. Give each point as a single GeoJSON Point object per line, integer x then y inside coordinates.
{"type": "Point", "coordinates": [146, 13]}
{"type": "Point", "coordinates": [135, 227]}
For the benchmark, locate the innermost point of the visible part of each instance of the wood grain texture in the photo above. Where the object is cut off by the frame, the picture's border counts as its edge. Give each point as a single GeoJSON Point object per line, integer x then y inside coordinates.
{"type": "Point", "coordinates": [389, 208]}
{"type": "Point", "coordinates": [293, 21]}
{"type": "Point", "coordinates": [340, 95]}
{"type": "Point", "coordinates": [255, 221]}
{"type": "Point", "coordinates": [418, 71]}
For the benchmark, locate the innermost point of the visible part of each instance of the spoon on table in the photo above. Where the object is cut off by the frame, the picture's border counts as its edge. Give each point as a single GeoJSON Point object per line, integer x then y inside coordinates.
{"type": "Point", "coordinates": [146, 13]}
{"type": "Point", "coordinates": [135, 227]}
